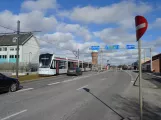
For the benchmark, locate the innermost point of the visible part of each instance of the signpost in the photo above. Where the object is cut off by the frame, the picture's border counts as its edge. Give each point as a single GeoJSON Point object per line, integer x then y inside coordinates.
{"type": "Point", "coordinates": [141, 26]}
{"type": "Point", "coordinates": [130, 46]}
{"type": "Point", "coordinates": [115, 47]}
{"type": "Point", "coordinates": [95, 48]}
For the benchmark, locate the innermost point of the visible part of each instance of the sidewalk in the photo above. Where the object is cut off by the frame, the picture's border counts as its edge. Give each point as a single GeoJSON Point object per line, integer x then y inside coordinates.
{"type": "Point", "coordinates": [151, 98]}
{"type": "Point", "coordinates": [154, 74]}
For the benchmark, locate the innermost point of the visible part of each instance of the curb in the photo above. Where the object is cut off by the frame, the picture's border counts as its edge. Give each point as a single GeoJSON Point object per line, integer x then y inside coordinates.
{"type": "Point", "coordinates": [153, 75]}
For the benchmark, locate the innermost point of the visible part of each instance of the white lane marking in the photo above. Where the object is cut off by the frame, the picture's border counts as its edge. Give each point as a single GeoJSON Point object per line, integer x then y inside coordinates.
{"type": "Point", "coordinates": [54, 83]}
{"type": "Point", "coordinates": [140, 26]}
{"type": "Point", "coordinates": [103, 79]}
{"type": "Point", "coordinates": [69, 80]}
{"type": "Point", "coordinates": [82, 87]}
{"type": "Point", "coordinates": [155, 86]}
{"type": "Point", "coordinates": [14, 115]}
{"type": "Point", "coordinates": [77, 78]}
{"type": "Point", "coordinates": [25, 89]}
{"type": "Point", "coordinates": [132, 79]}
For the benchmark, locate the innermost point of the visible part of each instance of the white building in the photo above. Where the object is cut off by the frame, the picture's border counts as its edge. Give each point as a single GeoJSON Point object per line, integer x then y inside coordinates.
{"type": "Point", "coordinates": [29, 48]}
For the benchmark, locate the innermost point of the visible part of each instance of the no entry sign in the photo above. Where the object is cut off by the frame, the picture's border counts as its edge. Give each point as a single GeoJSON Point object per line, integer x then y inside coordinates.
{"type": "Point", "coordinates": [141, 26]}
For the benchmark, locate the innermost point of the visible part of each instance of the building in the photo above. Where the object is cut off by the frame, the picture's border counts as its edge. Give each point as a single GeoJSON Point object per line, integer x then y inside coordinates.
{"type": "Point", "coordinates": [156, 64]}
{"type": "Point", "coordinates": [94, 57]}
{"type": "Point", "coordinates": [29, 48]}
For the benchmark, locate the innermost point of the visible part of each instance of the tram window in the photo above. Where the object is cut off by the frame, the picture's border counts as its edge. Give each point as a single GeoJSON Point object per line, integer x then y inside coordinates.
{"type": "Point", "coordinates": [62, 64]}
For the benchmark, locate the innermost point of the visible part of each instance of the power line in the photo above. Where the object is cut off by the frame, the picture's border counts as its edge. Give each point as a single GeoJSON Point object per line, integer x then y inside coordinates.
{"type": "Point", "coordinates": [8, 28]}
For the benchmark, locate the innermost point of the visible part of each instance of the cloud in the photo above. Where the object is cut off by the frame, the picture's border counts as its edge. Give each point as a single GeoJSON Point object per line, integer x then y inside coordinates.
{"type": "Point", "coordinates": [115, 36]}
{"type": "Point", "coordinates": [76, 29]}
{"type": "Point", "coordinates": [40, 5]}
{"type": "Point", "coordinates": [156, 24]}
{"type": "Point", "coordinates": [65, 43]}
{"type": "Point", "coordinates": [157, 42]}
{"type": "Point", "coordinates": [121, 13]}
{"type": "Point", "coordinates": [31, 21]}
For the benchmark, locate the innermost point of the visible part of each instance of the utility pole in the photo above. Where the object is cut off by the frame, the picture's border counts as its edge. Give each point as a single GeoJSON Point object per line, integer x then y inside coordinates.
{"type": "Point", "coordinates": [78, 54]}
{"type": "Point", "coordinates": [144, 55]}
{"type": "Point", "coordinates": [78, 57]}
{"type": "Point", "coordinates": [17, 56]}
{"type": "Point", "coordinates": [151, 60]}
{"type": "Point", "coordinates": [101, 59]}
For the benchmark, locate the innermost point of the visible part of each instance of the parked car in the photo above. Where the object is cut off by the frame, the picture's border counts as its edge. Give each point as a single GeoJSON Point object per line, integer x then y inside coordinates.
{"type": "Point", "coordinates": [8, 83]}
{"type": "Point", "coordinates": [74, 71]}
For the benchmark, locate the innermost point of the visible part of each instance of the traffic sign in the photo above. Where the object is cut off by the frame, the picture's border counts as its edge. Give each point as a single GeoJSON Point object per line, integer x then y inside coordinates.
{"type": "Point", "coordinates": [141, 26]}
{"type": "Point", "coordinates": [130, 46]}
{"type": "Point", "coordinates": [95, 47]}
{"type": "Point", "coordinates": [112, 47]}
{"type": "Point", "coordinates": [116, 46]}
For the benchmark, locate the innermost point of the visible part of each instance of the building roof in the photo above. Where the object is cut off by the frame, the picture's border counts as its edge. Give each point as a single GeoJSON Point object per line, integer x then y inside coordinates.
{"type": "Point", "coordinates": [7, 40]}
{"type": "Point", "coordinates": [147, 62]}
{"type": "Point", "coordinates": [157, 56]}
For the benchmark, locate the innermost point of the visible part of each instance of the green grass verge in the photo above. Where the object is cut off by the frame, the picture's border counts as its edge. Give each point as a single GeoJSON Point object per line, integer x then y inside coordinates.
{"type": "Point", "coordinates": [29, 77]}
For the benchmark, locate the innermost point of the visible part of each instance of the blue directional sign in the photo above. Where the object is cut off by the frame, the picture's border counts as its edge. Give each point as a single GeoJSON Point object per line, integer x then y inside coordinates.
{"type": "Point", "coordinates": [95, 47]}
{"type": "Point", "coordinates": [130, 46]}
{"type": "Point", "coordinates": [116, 47]}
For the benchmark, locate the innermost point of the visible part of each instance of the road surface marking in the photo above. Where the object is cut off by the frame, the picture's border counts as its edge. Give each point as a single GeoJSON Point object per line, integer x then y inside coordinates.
{"type": "Point", "coordinates": [69, 80]}
{"type": "Point", "coordinates": [155, 86]}
{"type": "Point", "coordinates": [82, 87]}
{"type": "Point", "coordinates": [54, 83]}
{"type": "Point", "coordinates": [103, 79]}
{"type": "Point", "coordinates": [76, 78]}
{"type": "Point", "coordinates": [130, 75]}
{"type": "Point", "coordinates": [25, 89]}
{"type": "Point", "coordinates": [14, 115]}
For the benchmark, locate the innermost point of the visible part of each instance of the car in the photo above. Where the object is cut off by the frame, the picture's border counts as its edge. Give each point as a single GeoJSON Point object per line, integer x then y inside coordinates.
{"type": "Point", "coordinates": [74, 71]}
{"type": "Point", "coordinates": [8, 84]}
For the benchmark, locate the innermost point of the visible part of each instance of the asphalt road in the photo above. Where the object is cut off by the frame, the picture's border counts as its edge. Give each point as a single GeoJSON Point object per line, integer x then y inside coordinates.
{"type": "Point", "coordinates": [93, 96]}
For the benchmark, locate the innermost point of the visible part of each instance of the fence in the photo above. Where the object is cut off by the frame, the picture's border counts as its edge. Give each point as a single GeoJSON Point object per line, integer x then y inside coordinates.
{"type": "Point", "coordinates": [23, 67]}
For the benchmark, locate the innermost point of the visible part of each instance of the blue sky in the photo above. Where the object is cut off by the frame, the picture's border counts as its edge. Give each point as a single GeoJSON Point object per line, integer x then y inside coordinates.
{"type": "Point", "coordinates": [84, 23]}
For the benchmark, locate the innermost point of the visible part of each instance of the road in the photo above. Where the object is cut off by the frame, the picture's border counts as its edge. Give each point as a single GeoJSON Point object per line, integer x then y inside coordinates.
{"type": "Point", "coordinates": [93, 96]}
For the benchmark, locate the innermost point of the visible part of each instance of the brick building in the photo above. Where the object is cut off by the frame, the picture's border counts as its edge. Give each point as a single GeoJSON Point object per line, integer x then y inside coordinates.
{"type": "Point", "coordinates": [94, 57]}
{"type": "Point", "coordinates": [156, 64]}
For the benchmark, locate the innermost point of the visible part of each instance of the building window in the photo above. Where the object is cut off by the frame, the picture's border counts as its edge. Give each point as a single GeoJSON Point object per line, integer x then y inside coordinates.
{"type": "Point", "coordinates": [0, 49]}
{"type": "Point", "coordinates": [5, 49]}
{"type": "Point", "coordinates": [16, 56]}
{"type": "Point", "coordinates": [11, 56]}
{"type": "Point", "coordinates": [11, 49]}
{"type": "Point", "coordinates": [4, 56]}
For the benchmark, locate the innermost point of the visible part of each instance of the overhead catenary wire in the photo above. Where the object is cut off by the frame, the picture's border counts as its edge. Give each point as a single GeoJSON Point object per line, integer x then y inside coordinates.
{"type": "Point", "coordinates": [8, 28]}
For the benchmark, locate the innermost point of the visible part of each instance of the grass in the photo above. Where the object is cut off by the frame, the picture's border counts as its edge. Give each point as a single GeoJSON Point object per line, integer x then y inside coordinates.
{"type": "Point", "coordinates": [29, 77]}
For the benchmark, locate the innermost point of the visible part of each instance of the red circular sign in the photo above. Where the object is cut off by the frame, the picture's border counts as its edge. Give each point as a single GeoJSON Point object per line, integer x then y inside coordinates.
{"type": "Point", "coordinates": [141, 26]}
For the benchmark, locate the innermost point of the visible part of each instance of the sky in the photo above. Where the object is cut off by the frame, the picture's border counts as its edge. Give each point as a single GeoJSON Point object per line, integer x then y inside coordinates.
{"type": "Point", "coordinates": [67, 25]}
